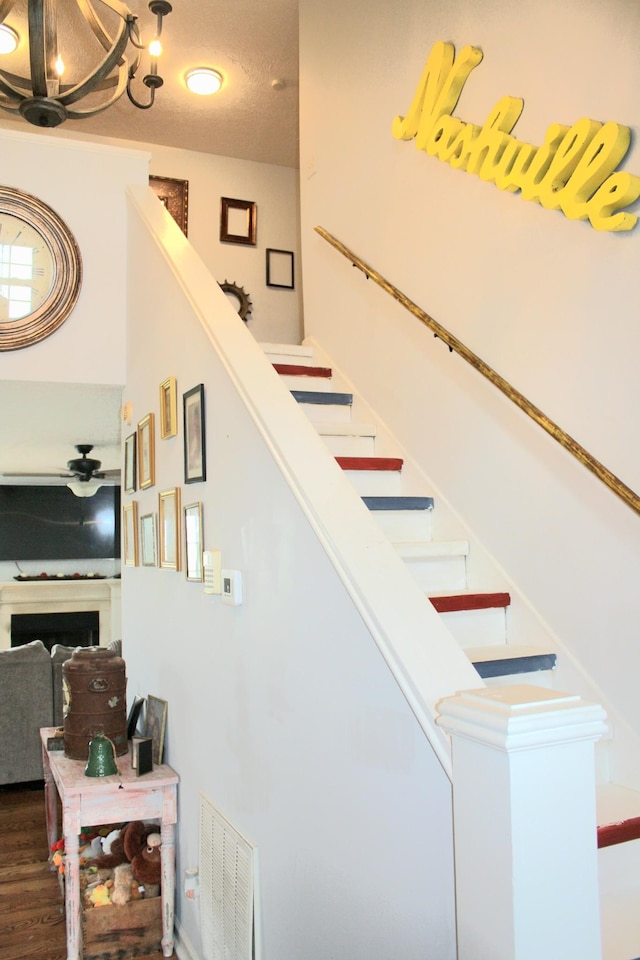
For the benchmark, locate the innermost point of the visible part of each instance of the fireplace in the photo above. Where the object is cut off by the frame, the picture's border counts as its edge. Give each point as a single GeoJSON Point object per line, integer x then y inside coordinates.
{"type": "Point", "coordinates": [81, 629]}
{"type": "Point", "coordinates": [45, 598]}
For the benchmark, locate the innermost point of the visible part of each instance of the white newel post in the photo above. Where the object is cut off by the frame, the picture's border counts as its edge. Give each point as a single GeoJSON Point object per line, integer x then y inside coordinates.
{"type": "Point", "coordinates": [524, 823]}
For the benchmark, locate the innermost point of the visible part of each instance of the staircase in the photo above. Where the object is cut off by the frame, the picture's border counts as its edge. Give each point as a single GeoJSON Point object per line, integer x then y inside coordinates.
{"type": "Point", "coordinates": [498, 633]}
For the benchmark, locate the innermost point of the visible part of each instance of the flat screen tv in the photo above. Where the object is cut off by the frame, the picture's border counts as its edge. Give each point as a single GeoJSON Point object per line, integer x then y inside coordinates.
{"type": "Point", "coordinates": [51, 523]}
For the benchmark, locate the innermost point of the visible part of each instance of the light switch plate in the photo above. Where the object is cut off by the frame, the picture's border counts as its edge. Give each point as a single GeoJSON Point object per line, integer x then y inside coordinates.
{"type": "Point", "coordinates": [232, 587]}
{"type": "Point", "coordinates": [212, 566]}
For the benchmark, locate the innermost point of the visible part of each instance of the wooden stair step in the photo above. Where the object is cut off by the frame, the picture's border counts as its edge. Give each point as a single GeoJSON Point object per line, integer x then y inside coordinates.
{"type": "Point", "coordinates": [330, 429]}
{"type": "Point", "coordinates": [427, 549]}
{"type": "Point", "coordinates": [370, 463]}
{"type": "Point", "coordinates": [323, 397]}
{"type": "Point", "coordinates": [618, 812]}
{"type": "Point", "coordinates": [288, 353]}
{"type": "Point", "coordinates": [398, 503]}
{"type": "Point", "coordinates": [301, 370]}
{"type": "Point", "coordinates": [453, 603]}
{"type": "Point", "coordinates": [507, 660]}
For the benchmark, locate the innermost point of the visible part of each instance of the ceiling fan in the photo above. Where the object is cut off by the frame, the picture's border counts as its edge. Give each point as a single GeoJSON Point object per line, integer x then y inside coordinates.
{"type": "Point", "coordinates": [84, 473]}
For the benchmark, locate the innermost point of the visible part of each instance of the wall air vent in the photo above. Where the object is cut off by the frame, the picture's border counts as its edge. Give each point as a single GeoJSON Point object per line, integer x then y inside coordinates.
{"type": "Point", "coordinates": [228, 876]}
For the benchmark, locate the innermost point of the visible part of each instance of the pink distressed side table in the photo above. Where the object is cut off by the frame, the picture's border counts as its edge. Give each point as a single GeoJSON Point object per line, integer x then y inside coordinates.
{"type": "Point", "coordinates": [89, 801]}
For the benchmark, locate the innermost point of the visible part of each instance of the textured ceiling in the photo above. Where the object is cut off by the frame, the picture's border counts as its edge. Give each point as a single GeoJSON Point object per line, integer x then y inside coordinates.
{"type": "Point", "coordinates": [252, 43]}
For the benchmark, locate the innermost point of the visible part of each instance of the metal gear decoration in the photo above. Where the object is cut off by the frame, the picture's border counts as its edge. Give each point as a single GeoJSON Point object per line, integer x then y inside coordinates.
{"type": "Point", "coordinates": [244, 303]}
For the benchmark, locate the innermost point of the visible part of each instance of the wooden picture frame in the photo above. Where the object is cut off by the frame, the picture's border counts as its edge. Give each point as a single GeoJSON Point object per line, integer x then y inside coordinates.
{"type": "Point", "coordinates": [130, 533]}
{"type": "Point", "coordinates": [193, 542]}
{"type": "Point", "coordinates": [238, 221]}
{"type": "Point", "coordinates": [146, 452]}
{"type": "Point", "coordinates": [148, 540]}
{"type": "Point", "coordinates": [195, 463]}
{"type": "Point", "coordinates": [169, 529]}
{"type": "Point", "coordinates": [155, 725]}
{"type": "Point", "coordinates": [130, 469]}
{"type": "Point", "coordinates": [168, 408]}
{"type": "Point", "coordinates": [280, 269]}
{"type": "Point", "coordinates": [174, 194]}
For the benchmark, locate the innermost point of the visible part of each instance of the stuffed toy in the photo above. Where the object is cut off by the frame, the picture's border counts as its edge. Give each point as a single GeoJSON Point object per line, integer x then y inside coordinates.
{"type": "Point", "coordinates": [100, 896]}
{"type": "Point", "coordinates": [112, 851]}
{"type": "Point", "coordinates": [142, 849]}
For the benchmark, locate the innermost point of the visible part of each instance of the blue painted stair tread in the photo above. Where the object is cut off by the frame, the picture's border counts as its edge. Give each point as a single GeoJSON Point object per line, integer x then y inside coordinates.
{"type": "Point", "coordinates": [513, 665]}
{"type": "Point", "coordinates": [398, 503]}
{"type": "Point", "coordinates": [326, 397]}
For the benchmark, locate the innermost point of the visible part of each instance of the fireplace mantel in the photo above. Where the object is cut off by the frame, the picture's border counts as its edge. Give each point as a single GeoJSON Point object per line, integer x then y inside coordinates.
{"type": "Point", "coordinates": [57, 596]}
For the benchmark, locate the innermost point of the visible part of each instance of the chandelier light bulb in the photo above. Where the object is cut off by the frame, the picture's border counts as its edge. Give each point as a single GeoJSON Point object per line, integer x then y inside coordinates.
{"type": "Point", "coordinates": [8, 39]}
{"type": "Point", "coordinates": [155, 47]}
{"type": "Point", "coordinates": [204, 81]}
{"type": "Point", "coordinates": [59, 65]}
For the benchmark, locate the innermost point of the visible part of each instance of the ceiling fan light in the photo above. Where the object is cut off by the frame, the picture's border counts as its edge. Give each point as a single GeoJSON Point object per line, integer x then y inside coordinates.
{"type": "Point", "coordinates": [8, 39]}
{"type": "Point", "coordinates": [204, 81]}
{"type": "Point", "coordinates": [84, 488]}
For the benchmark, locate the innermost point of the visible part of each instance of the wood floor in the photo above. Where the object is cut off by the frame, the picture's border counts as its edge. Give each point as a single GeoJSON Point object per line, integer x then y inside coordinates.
{"type": "Point", "coordinates": [31, 907]}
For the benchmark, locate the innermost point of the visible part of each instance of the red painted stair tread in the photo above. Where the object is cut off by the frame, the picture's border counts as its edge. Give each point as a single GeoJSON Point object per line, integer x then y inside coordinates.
{"type": "Point", "coordinates": [370, 463]}
{"type": "Point", "coordinates": [299, 370]}
{"type": "Point", "coordinates": [470, 601]}
{"type": "Point", "coordinates": [612, 833]}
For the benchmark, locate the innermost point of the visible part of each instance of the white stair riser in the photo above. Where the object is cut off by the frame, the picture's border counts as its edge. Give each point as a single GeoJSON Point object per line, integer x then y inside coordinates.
{"type": "Point", "coordinates": [438, 574]}
{"type": "Point", "coordinates": [376, 483]}
{"type": "Point", "coordinates": [619, 868]}
{"type": "Point", "coordinates": [350, 446]}
{"type": "Point", "coordinates": [539, 678]}
{"type": "Point", "coordinates": [289, 353]}
{"type": "Point", "coordinates": [317, 412]}
{"type": "Point", "coordinates": [300, 382]}
{"type": "Point", "coordinates": [404, 524]}
{"type": "Point", "coordinates": [475, 628]}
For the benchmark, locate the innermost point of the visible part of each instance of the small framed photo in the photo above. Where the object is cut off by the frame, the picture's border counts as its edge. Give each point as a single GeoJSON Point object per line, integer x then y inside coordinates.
{"type": "Point", "coordinates": [142, 755]}
{"type": "Point", "coordinates": [174, 194]}
{"type": "Point", "coordinates": [168, 408]}
{"type": "Point", "coordinates": [193, 541]}
{"type": "Point", "coordinates": [130, 464]}
{"type": "Point", "coordinates": [130, 533]}
{"type": "Point", "coordinates": [155, 725]}
{"type": "Point", "coordinates": [195, 465]}
{"type": "Point", "coordinates": [238, 221]}
{"type": "Point", "coordinates": [280, 269]}
{"type": "Point", "coordinates": [146, 452]}
{"type": "Point", "coordinates": [134, 716]}
{"type": "Point", "coordinates": [148, 540]}
{"type": "Point", "coordinates": [169, 533]}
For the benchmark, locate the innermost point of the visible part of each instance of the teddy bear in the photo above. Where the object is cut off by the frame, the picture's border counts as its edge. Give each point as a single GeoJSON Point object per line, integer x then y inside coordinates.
{"type": "Point", "coordinates": [142, 845]}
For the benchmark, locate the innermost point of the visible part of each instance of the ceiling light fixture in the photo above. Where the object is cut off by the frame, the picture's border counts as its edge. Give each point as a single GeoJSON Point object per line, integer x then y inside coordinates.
{"type": "Point", "coordinates": [84, 488]}
{"type": "Point", "coordinates": [42, 98]}
{"type": "Point", "coordinates": [203, 81]}
{"type": "Point", "coordinates": [8, 39]}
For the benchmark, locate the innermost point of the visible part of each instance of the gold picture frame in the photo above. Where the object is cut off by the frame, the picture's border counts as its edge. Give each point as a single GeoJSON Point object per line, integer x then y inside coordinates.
{"type": "Point", "coordinates": [146, 452]}
{"type": "Point", "coordinates": [148, 540]}
{"type": "Point", "coordinates": [174, 194]}
{"type": "Point", "coordinates": [238, 221]}
{"type": "Point", "coordinates": [168, 408]}
{"type": "Point", "coordinates": [130, 472]}
{"type": "Point", "coordinates": [193, 568]}
{"type": "Point", "coordinates": [130, 533]}
{"type": "Point", "coordinates": [169, 529]}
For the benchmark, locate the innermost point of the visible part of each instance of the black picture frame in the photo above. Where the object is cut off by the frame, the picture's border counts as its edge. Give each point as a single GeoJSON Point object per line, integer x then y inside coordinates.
{"type": "Point", "coordinates": [280, 269]}
{"type": "Point", "coordinates": [193, 414]}
{"type": "Point", "coordinates": [134, 716]}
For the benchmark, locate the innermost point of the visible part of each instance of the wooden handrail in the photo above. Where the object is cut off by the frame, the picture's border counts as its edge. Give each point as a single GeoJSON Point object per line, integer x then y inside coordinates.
{"type": "Point", "coordinates": [614, 483]}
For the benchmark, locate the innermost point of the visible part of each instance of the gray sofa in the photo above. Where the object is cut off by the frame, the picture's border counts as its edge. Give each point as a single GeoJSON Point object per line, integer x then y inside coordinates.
{"type": "Point", "coordinates": [30, 698]}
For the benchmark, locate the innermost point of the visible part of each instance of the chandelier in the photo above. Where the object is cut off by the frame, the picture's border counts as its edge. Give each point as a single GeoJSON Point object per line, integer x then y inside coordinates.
{"type": "Point", "coordinates": [95, 36]}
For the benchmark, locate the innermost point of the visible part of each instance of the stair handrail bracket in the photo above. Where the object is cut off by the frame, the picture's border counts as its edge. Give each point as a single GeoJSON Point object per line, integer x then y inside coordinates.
{"type": "Point", "coordinates": [625, 493]}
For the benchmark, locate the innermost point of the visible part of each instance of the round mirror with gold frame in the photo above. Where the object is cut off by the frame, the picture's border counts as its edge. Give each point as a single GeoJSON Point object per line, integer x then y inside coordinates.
{"type": "Point", "coordinates": [40, 270]}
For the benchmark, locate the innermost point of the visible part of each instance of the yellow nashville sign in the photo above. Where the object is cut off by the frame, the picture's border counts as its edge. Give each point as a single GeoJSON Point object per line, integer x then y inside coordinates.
{"type": "Point", "coordinates": [574, 170]}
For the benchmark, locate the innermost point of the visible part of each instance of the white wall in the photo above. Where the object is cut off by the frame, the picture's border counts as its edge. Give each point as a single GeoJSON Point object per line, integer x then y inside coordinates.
{"type": "Point", "coordinates": [276, 314]}
{"type": "Point", "coordinates": [548, 302]}
{"type": "Point", "coordinates": [281, 711]}
{"type": "Point", "coordinates": [85, 184]}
